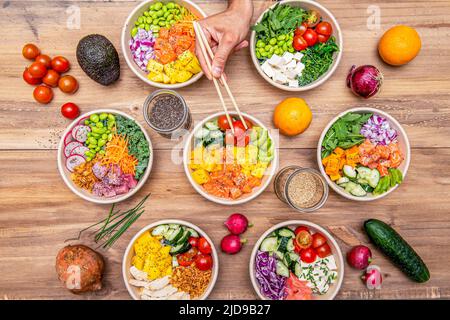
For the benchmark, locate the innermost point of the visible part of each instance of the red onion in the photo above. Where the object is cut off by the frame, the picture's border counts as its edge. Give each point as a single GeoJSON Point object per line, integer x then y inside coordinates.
{"type": "Point", "coordinates": [232, 244]}
{"type": "Point", "coordinates": [237, 223]}
{"type": "Point", "coordinates": [365, 81]}
{"type": "Point", "coordinates": [378, 130]}
{"type": "Point", "coordinates": [373, 277]}
{"type": "Point", "coordinates": [142, 48]}
{"type": "Point", "coordinates": [359, 257]}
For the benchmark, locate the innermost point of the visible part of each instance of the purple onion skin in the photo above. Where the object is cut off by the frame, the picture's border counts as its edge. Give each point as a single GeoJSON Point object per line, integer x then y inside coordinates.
{"type": "Point", "coordinates": [365, 81]}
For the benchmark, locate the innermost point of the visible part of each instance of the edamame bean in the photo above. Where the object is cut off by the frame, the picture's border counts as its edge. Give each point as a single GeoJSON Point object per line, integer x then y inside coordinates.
{"type": "Point", "coordinates": [147, 27]}
{"type": "Point", "coordinates": [291, 50]}
{"type": "Point", "coordinates": [271, 50]}
{"type": "Point", "coordinates": [160, 13]}
{"type": "Point", "coordinates": [166, 14]}
{"type": "Point", "coordinates": [282, 37]}
{"type": "Point", "coordinates": [102, 152]}
{"type": "Point", "coordinates": [162, 23]}
{"type": "Point", "coordinates": [258, 55]}
{"type": "Point", "coordinates": [134, 31]}
{"type": "Point", "coordinates": [142, 26]}
{"type": "Point", "coordinates": [261, 50]}
{"type": "Point", "coordinates": [140, 20]}
{"type": "Point", "coordinates": [158, 6]}
{"type": "Point", "coordinates": [155, 28]}
{"type": "Point", "coordinates": [170, 5]}
{"type": "Point", "coordinates": [103, 116]}
{"type": "Point", "coordinates": [260, 44]}
{"type": "Point", "coordinates": [273, 41]}
{"type": "Point", "coordinates": [97, 149]}
{"type": "Point", "coordinates": [285, 47]}
{"type": "Point", "coordinates": [155, 15]}
{"type": "Point", "coordinates": [146, 13]}
{"type": "Point", "coordinates": [281, 43]}
{"type": "Point", "coordinates": [110, 136]}
{"type": "Point", "coordinates": [99, 124]}
{"type": "Point", "coordinates": [101, 142]}
{"type": "Point", "coordinates": [94, 118]}
{"type": "Point", "coordinates": [87, 122]}
{"type": "Point", "coordinates": [104, 136]}
{"type": "Point", "coordinates": [170, 17]}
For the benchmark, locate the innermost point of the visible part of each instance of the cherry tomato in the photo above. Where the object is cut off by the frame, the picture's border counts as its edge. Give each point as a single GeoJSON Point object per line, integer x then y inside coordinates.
{"type": "Point", "coordinates": [37, 70]}
{"type": "Point", "coordinates": [204, 246]}
{"type": "Point", "coordinates": [313, 18]}
{"type": "Point", "coordinates": [70, 110]}
{"type": "Point", "coordinates": [297, 249]}
{"type": "Point", "coordinates": [188, 258]}
{"type": "Point", "coordinates": [229, 138]}
{"type": "Point", "coordinates": [322, 39]}
{"type": "Point", "coordinates": [193, 241]}
{"type": "Point", "coordinates": [324, 28]}
{"type": "Point", "coordinates": [248, 123]}
{"type": "Point", "coordinates": [29, 78]}
{"type": "Point", "coordinates": [301, 29]}
{"type": "Point", "coordinates": [323, 251]}
{"type": "Point", "coordinates": [68, 84]}
{"type": "Point", "coordinates": [222, 121]}
{"type": "Point", "coordinates": [203, 262]}
{"type": "Point", "coordinates": [303, 239]}
{"type": "Point", "coordinates": [308, 255]}
{"type": "Point", "coordinates": [318, 240]}
{"type": "Point", "coordinates": [300, 228]}
{"type": "Point", "coordinates": [241, 138]}
{"type": "Point", "coordinates": [310, 37]}
{"type": "Point", "coordinates": [299, 43]}
{"type": "Point", "coordinates": [43, 94]}
{"type": "Point", "coordinates": [30, 51]}
{"type": "Point", "coordinates": [44, 59]}
{"type": "Point", "coordinates": [60, 64]}
{"type": "Point", "coordinates": [51, 78]}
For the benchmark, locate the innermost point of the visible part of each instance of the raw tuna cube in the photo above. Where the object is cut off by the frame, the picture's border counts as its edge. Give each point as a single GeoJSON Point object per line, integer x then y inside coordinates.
{"type": "Point", "coordinates": [122, 189]}
{"type": "Point", "coordinates": [130, 180]}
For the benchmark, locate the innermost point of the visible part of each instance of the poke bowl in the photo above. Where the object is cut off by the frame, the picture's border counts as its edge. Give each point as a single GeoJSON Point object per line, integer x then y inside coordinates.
{"type": "Point", "coordinates": [105, 156]}
{"type": "Point", "coordinates": [364, 154]}
{"type": "Point", "coordinates": [158, 42]}
{"type": "Point", "coordinates": [170, 260]}
{"type": "Point", "coordinates": [296, 260]}
{"type": "Point", "coordinates": [230, 169]}
{"type": "Point", "coordinates": [296, 45]}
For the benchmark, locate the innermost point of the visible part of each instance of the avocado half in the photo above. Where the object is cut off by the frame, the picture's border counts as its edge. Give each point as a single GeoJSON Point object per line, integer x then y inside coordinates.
{"type": "Point", "coordinates": [99, 59]}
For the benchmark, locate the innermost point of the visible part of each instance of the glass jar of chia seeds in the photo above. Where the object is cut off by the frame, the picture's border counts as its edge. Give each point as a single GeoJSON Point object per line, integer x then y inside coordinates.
{"type": "Point", "coordinates": [303, 189]}
{"type": "Point", "coordinates": [166, 112]}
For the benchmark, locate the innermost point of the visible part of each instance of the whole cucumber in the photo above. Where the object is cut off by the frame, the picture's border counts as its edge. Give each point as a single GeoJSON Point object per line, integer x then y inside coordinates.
{"type": "Point", "coordinates": [397, 249]}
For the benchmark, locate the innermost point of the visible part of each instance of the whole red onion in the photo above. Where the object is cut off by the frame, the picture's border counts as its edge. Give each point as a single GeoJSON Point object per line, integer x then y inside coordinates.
{"type": "Point", "coordinates": [364, 81]}
{"type": "Point", "coordinates": [359, 257]}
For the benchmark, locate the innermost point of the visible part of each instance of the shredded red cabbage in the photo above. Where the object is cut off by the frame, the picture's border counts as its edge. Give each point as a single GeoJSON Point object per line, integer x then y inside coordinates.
{"type": "Point", "coordinates": [272, 285]}
{"type": "Point", "coordinates": [142, 48]}
{"type": "Point", "coordinates": [378, 130]}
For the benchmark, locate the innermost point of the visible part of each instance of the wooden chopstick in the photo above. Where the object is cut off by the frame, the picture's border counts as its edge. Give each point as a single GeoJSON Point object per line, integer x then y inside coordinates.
{"type": "Point", "coordinates": [222, 77]}
{"type": "Point", "coordinates": [216, 84]}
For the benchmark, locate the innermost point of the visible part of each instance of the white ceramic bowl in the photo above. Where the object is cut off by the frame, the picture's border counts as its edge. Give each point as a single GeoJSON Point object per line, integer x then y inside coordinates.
{"type": "Point", "coordinates": [86, 195]}
{"type": "Point", "coordinates": [327, 16]}
{"type": "Point", "coordinates": [403, 145]}
{"type": "Point", "coordinates": [336, 251]}
{"type": "Point", "coordinates": [129, 252]}
{"type": "Point", "coordinates": [270, 171]}
{"type": "Point", "coordinates": [126, 36]}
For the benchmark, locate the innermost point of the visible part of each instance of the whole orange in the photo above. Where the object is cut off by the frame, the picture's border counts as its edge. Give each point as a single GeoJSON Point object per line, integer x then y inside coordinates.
{"type": "Point", "coordinates": [292, 116]}
{"type": "Point", "coordinates": [399, 45]}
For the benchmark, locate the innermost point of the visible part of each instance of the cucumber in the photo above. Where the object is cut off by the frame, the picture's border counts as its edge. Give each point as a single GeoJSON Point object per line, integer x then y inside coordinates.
{"type": "Point", "coordinates": [364, 172]}
{"type": "Point", "coordinates": [286, 232]}
{"type": "Point", "coordinates": [373, 178]}
{"type": "Point", "coordinates": [367, 188]}
{"type": "Point", "coordinates": [202, 133]}
{"type": "Point", "coordinates": [282, 269]}
{"type": "Point", "coordinates": [160, 230]}
{"type": "Point", "coordinates": [283, 243]}
{"type": "Point", "coordinates": [289, 259]}
{"type": "Point", "coordinates": [298, 270]}
{"type": "Point", "coordinates": [397, 249]}
{"type": "Point", "coordinates": [349, 171]}
{"type": "Point", "coordinates": [212, 126]}
{"type": "Point", "coordinates": [290, 245]}
{"type": "Point", "coordinates": [343, 180]}
{"type": "Point", "coordinates": [185, 237]}
{"type": "Point", "coordinates": [269, 244]}
{"type": "Point", "coordinates": [180, 248]}
{"type": "Point", "coordinates": [193, 233]}
{"type": "Point", "coordinates": [216, 135]}
{"type": "Point", "coordinates": [358, 191]}
{"type": "Point", "coordinates": [175, 235]}
{"type": "Point", "coordinates": [279, 255]}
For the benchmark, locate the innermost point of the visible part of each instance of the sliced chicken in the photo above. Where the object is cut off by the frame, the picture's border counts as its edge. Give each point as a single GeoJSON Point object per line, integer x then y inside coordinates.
{"type": "Point", "coordinates": [163, 293]}
{"type": "Point", "coordinates": [158, 284]}
{"type": "Point", "coordinates": [138, 283]}
{"type": "Point", "coordinates": [176, 296]}
{"type": "Point", "coordinates": [145, 297]}
{"type": "Point", "coordinates": [138, 274]}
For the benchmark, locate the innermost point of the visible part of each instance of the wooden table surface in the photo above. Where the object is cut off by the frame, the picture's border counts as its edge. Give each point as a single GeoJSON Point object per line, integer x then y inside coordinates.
{"type": "Point", "coordinates": [38, 212]}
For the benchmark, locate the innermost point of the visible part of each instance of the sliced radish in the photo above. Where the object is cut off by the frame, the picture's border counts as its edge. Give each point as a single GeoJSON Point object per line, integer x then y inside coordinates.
{"type": "Point", "coordinates": [80, 150]}
{"type": "Point", "coordinates": [68, 138]}
{"type": "Point", "coordinates": [70, 146]}
{"type": "Point", "coordinates": [74, 161]}
{"type": "Point", "coordinates": [80, 133]}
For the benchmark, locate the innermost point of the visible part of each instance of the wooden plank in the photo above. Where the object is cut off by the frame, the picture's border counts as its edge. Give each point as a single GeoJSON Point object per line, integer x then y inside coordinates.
{"type": "Point", "coordinates": [39, 212]}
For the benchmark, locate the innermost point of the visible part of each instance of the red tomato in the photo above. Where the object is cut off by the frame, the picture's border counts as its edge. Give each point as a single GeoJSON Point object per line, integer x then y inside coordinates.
{"type": "Point", "coordinates": [303, 239]}
{"type": "Point", "coordinates": [204, 246]}
{"type": "Point", "coordinates": [301, 29]}
{"type": "Point", "coordinates": [37, 70]}
{"type": "Point", "coordinates": [188, 258]}
{"type": "Point", "coordinates": [297, 249]}
{"type": "Point", "coordinates": [44, 59]}
{"type": "Point", "coordinates": [308, 255]}
{"type": "Point", "coordinates": [323, 251]}
{"type": "Point", "coordinates": [313, 18]}
{"type": "Point", "coordinates": [248, 123]}
{"type": "Point", "coordinates": [322, 39]}
{"type": "Point", "coordinates": [324, 28]}
{"type": "Point", "coordinates": [30, 51]}
{"type": "Point", "coordinates": [299, 43]}
{"type": "Point", "coordinates": [43, 94]}
{"type": "Point", "coordinates": [203, 262]}
{"type": "Point", "coordinates": [60, 64]}
{"type": "Point", "coordinates": [68, 84]}
{"type": "Point", "coordinates": [300, 228]}
{"type": "Point", "coordinates": [318, 240]}
{"type": "Point", "coordinates": [51, 78]}
{"type": "Point", "coordinates": [223, 123]}
{"type": "Point", "coordinates": [29, 78]}
{"type": "Point", "coordinates": [193, 241]}
{"type": "Point", "coordinates": [70, 110]}
{"type": "Point", "coordinates": [310, 37]}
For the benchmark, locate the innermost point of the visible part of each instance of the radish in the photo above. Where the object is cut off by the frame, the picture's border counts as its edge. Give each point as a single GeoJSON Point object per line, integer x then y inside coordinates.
{"type": "Point", "coordinates": [232, 244]}
{"type": "Point", "coordinates": [80, 133]}
{"type": "Point", "coordinates": [359, 257]}
{"type": "Point", "coordinates": [70, 146]}
{"type": "Point", "coordinates": [373, 277]}
{"type": "Point", "coordinates": [80, 150]}
{"type": "Point", "coordinates": [237, 223]}
{"type": "Point", "coordinates": [74, 161]}
{"type": "Point", "coordinates": [68, 138]}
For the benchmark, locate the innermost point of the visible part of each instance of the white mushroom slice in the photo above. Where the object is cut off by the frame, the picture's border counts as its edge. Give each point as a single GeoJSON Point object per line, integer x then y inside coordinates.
{"type": "Point", "coordinates": [158, 284]}
{"type": "Point", "coordinates": [138, 274]}
{"type": "Point", "coordinates": [163, 293]}
{"type": "Point", "coordinates": [138, 283]}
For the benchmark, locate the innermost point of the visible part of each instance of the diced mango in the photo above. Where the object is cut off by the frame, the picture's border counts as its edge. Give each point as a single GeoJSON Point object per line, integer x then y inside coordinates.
{"type": "Point", "coordinates": [200, 176]}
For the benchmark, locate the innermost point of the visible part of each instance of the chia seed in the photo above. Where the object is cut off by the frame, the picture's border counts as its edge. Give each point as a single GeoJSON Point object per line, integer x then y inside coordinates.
{"type": "Point", "coordinates": [166, 112]}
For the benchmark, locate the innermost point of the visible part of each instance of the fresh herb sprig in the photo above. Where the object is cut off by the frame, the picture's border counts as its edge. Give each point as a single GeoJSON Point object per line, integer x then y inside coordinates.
{"type": "Point", "coordinates": [115, 224]}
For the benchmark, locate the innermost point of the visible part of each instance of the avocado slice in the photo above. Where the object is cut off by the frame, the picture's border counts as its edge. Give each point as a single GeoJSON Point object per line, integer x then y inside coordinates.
{"type": "Point", "coordinates": [99, 59]}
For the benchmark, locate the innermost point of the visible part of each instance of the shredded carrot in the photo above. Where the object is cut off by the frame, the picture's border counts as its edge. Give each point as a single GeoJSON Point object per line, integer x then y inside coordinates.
{"type": "Point", "coordinates": [116, 152]}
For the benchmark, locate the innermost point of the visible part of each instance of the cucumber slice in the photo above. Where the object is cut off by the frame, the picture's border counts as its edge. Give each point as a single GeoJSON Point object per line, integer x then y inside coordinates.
{"type": "Point", "coordinates": [193, 233]}
{"type": "Point", "coordinates": [283, 243]}
{"type": "Point", "coordinates": [287, 260]}
{"type": "Point", "coordinates": [294, 257]}
{"type": "Point", "coordinates": [367, 188]}
{"type": "Point", "coordinates": [349, 171]}
{"type": "Point", "coordinates": [350, 186]}
{"type": "Point", "coordinates": [298, 270]}
{"type": "Point", "coordinates": [269, 244]}
{"type": "Point", "coordinates": [286, 232]}
{"type": "Point", "coordinates": [202, 133]}
{"type": "Point", "coordinates": [216, 134]}
{"type": "Point", "coordinates": [181, 248]}
{"type": "Point", "coordinates": [364, 172]}
{"type": "Point", "coordinates": [373, 178]}
{"type": "Point", "coordinates": [279, 255]}
{"type": "Point", "coordinates": [282, 269]}
{"type": "Point", "coordinates": [290, 245]}
{"type": "Point", "coordinates": [210, 125]}
{"type": "Point", "coordinates": [342, 180]}
{"type": "Point", "coordinates": [175, 262]}
{"type": "Point", "coordinates": [358, 191]}
{"type": "Point", "coordinates": [160, 230]}
{"type": "Point", "coordinates": [174, 226]}
{"type": "Point", "coordinates": [175, 235]}
{"type": "Point", "coordinates": [184, 238]}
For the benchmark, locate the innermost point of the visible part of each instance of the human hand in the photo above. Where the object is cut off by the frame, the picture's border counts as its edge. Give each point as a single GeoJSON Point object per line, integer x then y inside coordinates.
{"type": "Point", "coordinates": [226, 33]}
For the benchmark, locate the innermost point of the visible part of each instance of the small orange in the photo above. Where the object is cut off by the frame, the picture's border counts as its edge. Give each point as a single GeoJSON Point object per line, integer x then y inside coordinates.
{"type": "Point", "coordinates": [399, 45]}
{"type": "Point", "coordinates": [292, 116]}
